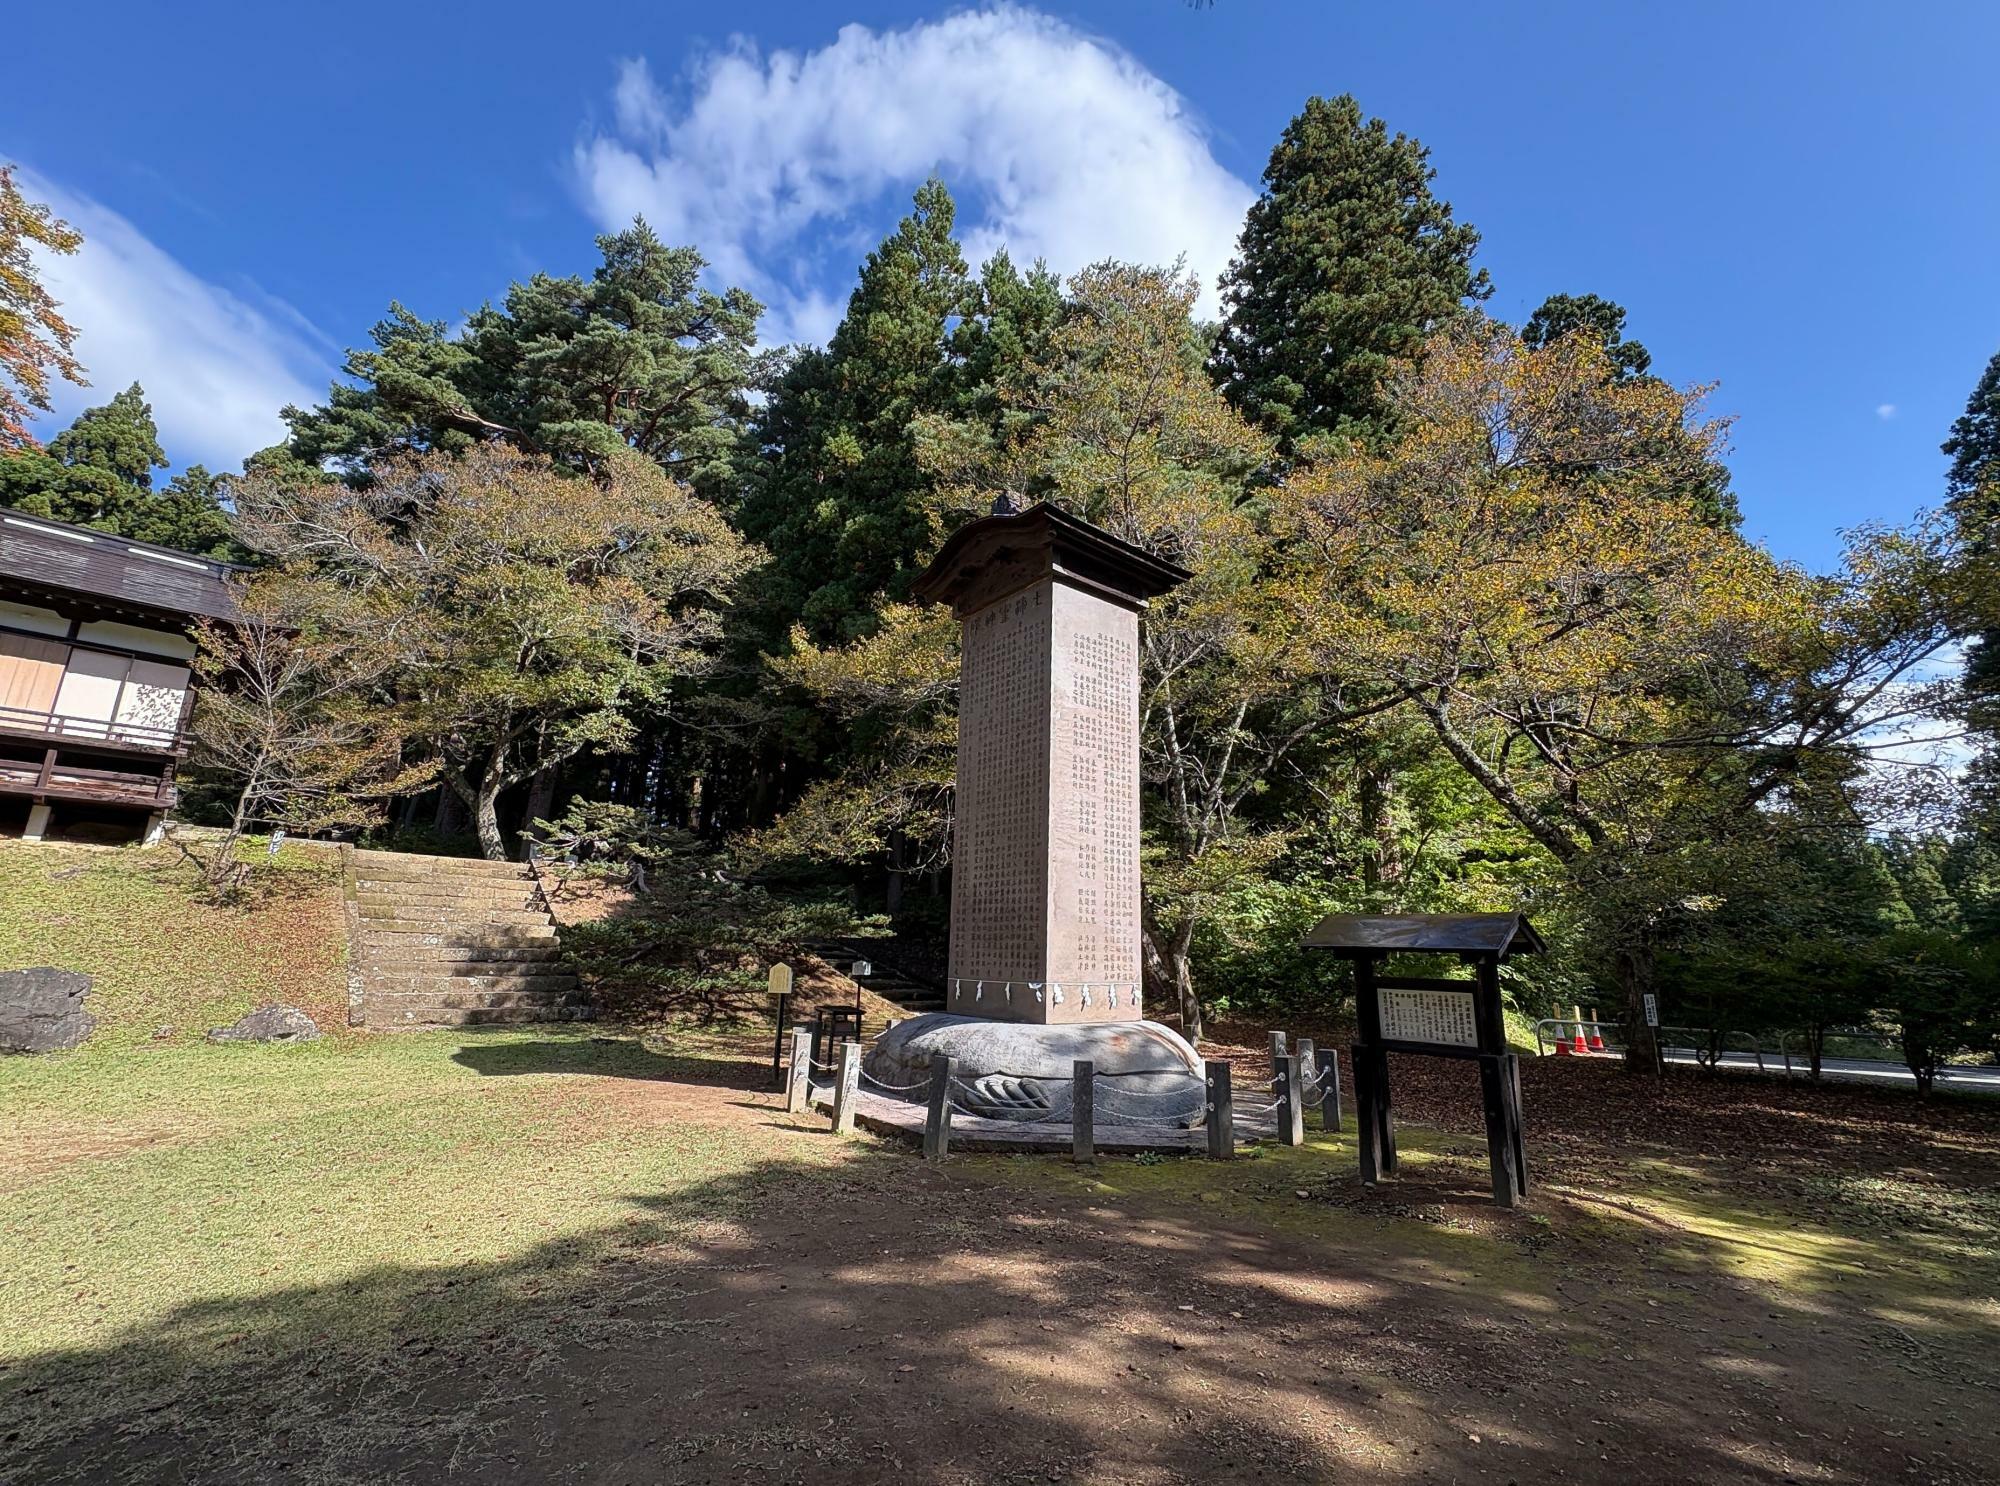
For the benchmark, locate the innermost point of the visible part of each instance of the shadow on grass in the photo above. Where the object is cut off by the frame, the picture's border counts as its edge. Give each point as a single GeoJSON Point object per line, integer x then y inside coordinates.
{"type": "Point", "coordinates": [885, 1320]}
{"type": "Point", "coordinates": [609, 1057]}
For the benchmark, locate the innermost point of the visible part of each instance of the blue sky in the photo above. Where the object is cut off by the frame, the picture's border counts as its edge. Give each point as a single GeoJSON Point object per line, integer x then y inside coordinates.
{"type": "Point", "coordinates": [1799, 202]}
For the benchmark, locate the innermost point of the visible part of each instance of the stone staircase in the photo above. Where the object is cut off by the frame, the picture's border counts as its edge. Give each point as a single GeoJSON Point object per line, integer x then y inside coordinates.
{"type": "Point", "coordinates": [451, 942]}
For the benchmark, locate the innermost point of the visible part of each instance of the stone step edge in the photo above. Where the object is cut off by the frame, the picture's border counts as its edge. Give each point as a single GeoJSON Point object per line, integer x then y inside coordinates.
{"type": "Point", "coordinates": [374, 907]}
{"type": "Point", "coordinates": [381, 887]}
{"type": "Point", "coordinates": [425, 861]}
{"type": "Point", "coordinates": [440, 1018]}
{"type": "Point", "coordinates": [458, 998]}
{"type": "Point", "coordinates": [499, 937]}
{"type": "Point", "coordinates": [453, 985]}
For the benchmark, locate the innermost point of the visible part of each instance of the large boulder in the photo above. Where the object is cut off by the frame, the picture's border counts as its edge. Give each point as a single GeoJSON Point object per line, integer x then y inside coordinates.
{"type": "Point", "coordinates": [1145, 1073]}
{"type": "Point", "coordinates": [269, 1024]}
{"type": "Point", "coordinates": [41, 1010]}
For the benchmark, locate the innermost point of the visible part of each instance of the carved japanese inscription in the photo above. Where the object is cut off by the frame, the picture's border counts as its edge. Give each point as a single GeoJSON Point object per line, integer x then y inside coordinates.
{"type": "Point", "coordinates": [1045, 867]}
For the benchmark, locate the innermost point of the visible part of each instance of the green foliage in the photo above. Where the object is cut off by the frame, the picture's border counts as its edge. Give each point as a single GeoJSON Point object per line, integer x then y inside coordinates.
{"type": "Point", "coordinates": [1939, 995]}
{"type": "Point", "coordinates": [1972, 491]}
{"type": "Point", "coordinates": [1974, 444]}
{"type": "Point", "coordinates": [1586, 314]}
{"type": "Point", "coordinates": [696, 939]}
{"type": "Point", "coordinates": [99, 473]}
{"type": "Point", "coordinates": [637, 356]}
{"type": "Point", "coordinates": [1347, 263]}
{"type": "Point", "coordinates": [1791, 941]}
{"type": "Point", "coordinates": [602, 839]}
{"type": "Point", "coordinates": [838, 502]}
{"type": "Point", "coordinates": [119, 438]}
{"type": "Point", "coordinates": [518, 614]}
{"type": "Point", "coordinates": [35, 340]}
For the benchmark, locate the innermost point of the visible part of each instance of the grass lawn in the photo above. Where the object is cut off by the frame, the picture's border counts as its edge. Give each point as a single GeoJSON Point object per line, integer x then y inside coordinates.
{"type": "Point", "coordinates": [573, 1254]}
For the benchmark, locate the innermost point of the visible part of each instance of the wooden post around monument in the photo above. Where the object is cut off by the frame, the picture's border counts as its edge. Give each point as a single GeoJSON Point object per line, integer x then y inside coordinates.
{"type": "Point", "coordinates": [1220, 1110]}
{"type": "Point", "coordinates": [846, 1088]}
{"type": "Point", "coordinates": [1277, 1053]}
{"type": "Point", "coordinates": [798, 1080]}
{"type": "Point", "coordinates": [937, 1117]}
{"type": "Point", "coordinates": [1290, 1101]}
{"type": "Point", "coordinates": [1083, 1110]}
{"type": "Point", "coordinates": [1329, 1088]}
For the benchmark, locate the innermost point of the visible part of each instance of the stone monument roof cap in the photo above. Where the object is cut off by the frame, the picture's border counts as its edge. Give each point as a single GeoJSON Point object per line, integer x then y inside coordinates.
{"type": "Point", "coordinates": [1426, 933]}
{"type": "Point", "coordinates": [1039, 541]}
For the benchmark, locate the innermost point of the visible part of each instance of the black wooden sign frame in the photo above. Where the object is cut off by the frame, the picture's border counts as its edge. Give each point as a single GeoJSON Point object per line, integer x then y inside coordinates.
{"type": "Point", "coordinates": [1369, 942]}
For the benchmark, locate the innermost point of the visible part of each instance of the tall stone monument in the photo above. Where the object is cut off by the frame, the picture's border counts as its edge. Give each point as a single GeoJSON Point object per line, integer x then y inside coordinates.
{"type": "Point", "coordinates": [1045, 855]}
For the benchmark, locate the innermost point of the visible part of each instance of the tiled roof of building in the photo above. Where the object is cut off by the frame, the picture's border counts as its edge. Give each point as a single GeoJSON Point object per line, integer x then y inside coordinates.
{"type": "Point", "coordinates": [54, 556]}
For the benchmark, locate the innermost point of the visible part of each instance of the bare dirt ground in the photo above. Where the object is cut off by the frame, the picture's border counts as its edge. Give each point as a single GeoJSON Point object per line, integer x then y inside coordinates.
{"type": "Point", "coordinates": [1723, 1283]}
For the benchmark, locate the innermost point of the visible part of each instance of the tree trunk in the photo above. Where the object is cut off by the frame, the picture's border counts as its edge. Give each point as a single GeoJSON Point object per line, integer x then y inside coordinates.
{"type": "Point", "coordinates": [1183, 975]}
{"type": "Point", "coordinates": [541, 796]}
{"type": "Point", "coordinates": [486, 819]}
{"type": "Point", "coordinates": [451, 816]}
{"type": "Point", "coordinates": [1816, 1050]}
{"type": "Point", "coordinates": [1922, 1067]}
{"type": "Point", "coordinates": [1634, 968]}
{"type": "Point", "coordinates": [1382, 862]}
{"type": "Point", "coordinates": [483, 799]}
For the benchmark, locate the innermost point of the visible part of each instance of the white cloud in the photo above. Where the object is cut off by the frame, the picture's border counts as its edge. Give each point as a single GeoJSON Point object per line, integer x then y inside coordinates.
{"type": "Point", "coordinates": [1064, 147]}
{"type": "Point", "coordinates": [216, 366]}
{"type": "Point", "coordinates": [1885, 411]}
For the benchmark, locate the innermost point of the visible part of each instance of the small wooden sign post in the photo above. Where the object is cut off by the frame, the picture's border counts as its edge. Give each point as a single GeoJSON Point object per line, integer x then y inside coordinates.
{"type": "Point", "coordinates": [1437, 1017]}
{"type": "Point", "coordinates": [781, 1003]}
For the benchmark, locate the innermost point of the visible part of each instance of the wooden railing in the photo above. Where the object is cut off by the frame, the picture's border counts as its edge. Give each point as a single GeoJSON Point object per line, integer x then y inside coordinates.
{"type": "Point", "coordinates": [91, 729]}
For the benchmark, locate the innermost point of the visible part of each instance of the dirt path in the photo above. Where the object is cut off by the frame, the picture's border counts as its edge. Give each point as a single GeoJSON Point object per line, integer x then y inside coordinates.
{"type": "Point", "coordinates": [1002, 1320]}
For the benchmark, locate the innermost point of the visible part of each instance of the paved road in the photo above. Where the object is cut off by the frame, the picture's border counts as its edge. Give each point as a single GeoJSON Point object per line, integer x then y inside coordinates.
{"type": "Point", "coordinates": [1859, 1070]}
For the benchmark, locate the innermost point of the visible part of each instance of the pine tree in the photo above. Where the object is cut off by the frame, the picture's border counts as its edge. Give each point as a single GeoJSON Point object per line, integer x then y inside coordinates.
{"type": "Point", "coordinates": [1008, 319]}
{"type": "Point", "coordinates": [1601, 323]}
{"type": "Point", "coordinates": [839, 506]}
{"type": "Point", "coordinates": [1972, 494]}
{"type": "Point", "coordinates": [119, 438]}
{"type": "Point", "coordinates": [639, 355]}
{"type": "Point", "coordinates": [1974, 446]}
{"type": "Point", "coordinates": [1346, 262]}
{"type": "Point", "coordinates": [1568, 314]}
{"type": "Point", "coordinates": [99, 473]}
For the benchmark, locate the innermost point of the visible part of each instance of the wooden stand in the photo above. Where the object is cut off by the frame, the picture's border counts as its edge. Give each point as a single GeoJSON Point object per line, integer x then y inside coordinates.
{"type": "Point", "coordinates": [1433, 1023]}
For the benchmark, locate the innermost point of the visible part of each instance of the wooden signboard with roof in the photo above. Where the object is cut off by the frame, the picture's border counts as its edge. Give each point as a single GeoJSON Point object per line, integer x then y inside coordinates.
{"type": "Point", "coordinates": [1435, 1016]}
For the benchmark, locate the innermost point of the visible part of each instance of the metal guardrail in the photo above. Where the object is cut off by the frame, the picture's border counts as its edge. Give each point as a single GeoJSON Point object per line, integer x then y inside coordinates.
{"type": "Point", "coordinates": [1784, 1046]}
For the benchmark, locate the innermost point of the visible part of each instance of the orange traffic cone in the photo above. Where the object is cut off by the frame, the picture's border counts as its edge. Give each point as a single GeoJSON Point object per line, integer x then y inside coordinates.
{"type": "Point", "coordinates": [1596, 1033]}
{"type": "Point", "coordinates": [1577, 1044]}
{"type": "Point", "coordinates": [1562, 1041]}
